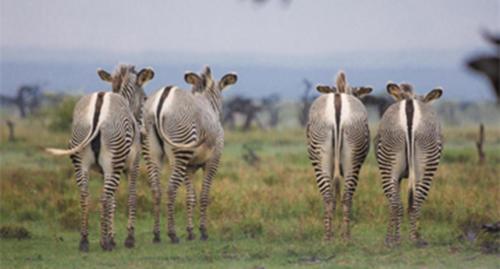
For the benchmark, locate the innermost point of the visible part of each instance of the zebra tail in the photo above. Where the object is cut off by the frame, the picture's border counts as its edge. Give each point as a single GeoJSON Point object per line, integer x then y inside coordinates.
{"type": "Point", "coordinates": [94, 130]}
{"type": "Point", "coordinates": [336, 172]}
{"type": "Point", "coordinates": [77, 148]}
{"type": "Point", "coordinates": [411, 172]}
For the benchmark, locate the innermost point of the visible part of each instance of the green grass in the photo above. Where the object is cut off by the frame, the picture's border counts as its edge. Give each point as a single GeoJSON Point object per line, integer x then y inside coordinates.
{"type": "Point", "coordinates": [268, 215]}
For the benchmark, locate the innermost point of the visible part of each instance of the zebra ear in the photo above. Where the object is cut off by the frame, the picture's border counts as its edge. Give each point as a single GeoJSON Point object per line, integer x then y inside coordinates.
{"type": "Point", "coordinates": [433, 95]}
{"type": "Point", "coordinates": [394, 90]}
{"type": "Point", "coordinates": [145, 75]}
{"type": "Point", "coordinates": [227, 80]}
{"type": "Point", "coordinates": [362, 91]}
{"type": "Point", "coordinates": [325, 89]}
{"type": "Point", "coordinates": [192, 78]}
{"type": "Point", "coordinates": [105, 76]}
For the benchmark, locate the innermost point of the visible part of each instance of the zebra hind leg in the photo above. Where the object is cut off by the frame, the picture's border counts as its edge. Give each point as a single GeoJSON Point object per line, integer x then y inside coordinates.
{"type": "Point", "coordinates": [190, 203]}
{"type": "Point", "coordinates": [349, 189]}
{"type": "Point", "coordinates": [414, 211]}
{"type": "Point", "coordinates": [82, 179]}
{"type": "Point", "coordinates": [397, 213]}
{"type": "Point", "coordinates": [178, 176]}
{"type": "Point", "coordinates": [389, 191]}
{"type": "Point", "coordinates": [111, 181]}
{"type": "Point", "coordinates": [210, 170]}
{"type": "Point", "coordinates": [153, 170]}
{"type": "Point", "coordinates": [329, 200]}
{"type": "Point", "coordinates": [132, 203]}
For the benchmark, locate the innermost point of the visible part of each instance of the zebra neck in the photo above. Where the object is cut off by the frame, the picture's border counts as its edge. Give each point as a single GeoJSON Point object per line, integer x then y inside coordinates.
{"type": "Point", "coordinates": [215, 101]}
{"type": "Point", "coordinates": [128, 92]}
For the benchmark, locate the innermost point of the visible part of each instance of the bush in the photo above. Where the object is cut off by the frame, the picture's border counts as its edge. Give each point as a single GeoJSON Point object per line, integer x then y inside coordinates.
{"type": "Point", "coordinates": [14, 232]}
{"type": "Point", "coordinates": [61, 116]}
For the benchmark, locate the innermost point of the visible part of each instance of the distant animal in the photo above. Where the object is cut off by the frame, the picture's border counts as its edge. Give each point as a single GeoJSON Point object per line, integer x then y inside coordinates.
{"type": "Point", "coordinates": [185, 128]}
{"type": "Point", "coordinates": [408, 145]}
{"type": "Point", "coordinates": [338, 141]}
{"type": "Point", "coordinates": [105, 136]}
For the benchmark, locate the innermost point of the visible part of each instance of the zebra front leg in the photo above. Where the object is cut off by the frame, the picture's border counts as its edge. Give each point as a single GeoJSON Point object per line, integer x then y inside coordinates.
{"type": "Point", "coordinates": [177, 177]}
{"type": "Point", "coordinates": [190, 203]}
{"type": "Point", "coordinates": [82, 182]}
{"type": "Point", "coordinates": [209, 170]}
{"type": "Point", "coordinates": [132, 202]}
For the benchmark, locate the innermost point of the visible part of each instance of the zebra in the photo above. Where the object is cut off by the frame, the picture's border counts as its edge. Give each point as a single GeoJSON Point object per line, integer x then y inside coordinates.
{"type": "Point", "coordinates": [105, 137]}
{"type": "Point", "coordinates": [338, 141]}
{"type": "Point", "coordinates": [408, 145]}
{"type": "Point", "coordinates": [185, 128]}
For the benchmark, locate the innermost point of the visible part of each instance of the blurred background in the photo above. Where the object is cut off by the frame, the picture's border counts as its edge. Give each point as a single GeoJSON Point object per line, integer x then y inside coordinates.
{"type": "Point", "coordinates": [280, 48]}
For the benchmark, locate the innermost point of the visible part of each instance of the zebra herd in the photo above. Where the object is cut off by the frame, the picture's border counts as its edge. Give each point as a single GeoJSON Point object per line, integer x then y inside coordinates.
{"type": "Point", "coordinates": [183, 128]}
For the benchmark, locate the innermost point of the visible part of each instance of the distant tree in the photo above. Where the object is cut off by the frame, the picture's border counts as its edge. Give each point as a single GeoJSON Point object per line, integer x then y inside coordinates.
{"type": "Point", "coordinates": [244, 106]}
{"type": "Point", "coordinates": [306, 102]}
{"type": "Point", "coordinates": [27, 99]}
{"type": "Point", "coordinates": [380, 102]}
{"type": "Point", "coordinates": [270, 105]}
{"type": "Point", "coordinates": [489, 64]}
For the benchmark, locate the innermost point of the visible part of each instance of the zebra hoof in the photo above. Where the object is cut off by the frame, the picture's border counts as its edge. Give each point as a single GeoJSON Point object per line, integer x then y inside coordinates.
{"type": "Point", "coordinates": [204, 237]}
{"type": "Point", "coordinates": [106, 245]}
{"type": "Point", "coordinates": [190, 236]}
{"type": "Point", "coordinates": [130, 241]}
{"type": "Point", "coordinates": [174, 239]}
{"type": "Point", "coordinates": [328, 238]}
{"type": "Point", "coordinates": [388, 242]}
{"type": "Point", "coordinates": [156, 238]}
{"type": "Point", "coordinates": [420, 243]}
{"type": "Point", "coordinates": [204, 234]}
{"type": "Point", "coordinates": [84, 245]}
{"type": "Point", "coordinates": [112, 243]}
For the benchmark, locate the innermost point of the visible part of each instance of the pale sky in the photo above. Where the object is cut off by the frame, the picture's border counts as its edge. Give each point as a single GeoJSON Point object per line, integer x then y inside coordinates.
{"type": "Point", "coordinates": [305, 27]}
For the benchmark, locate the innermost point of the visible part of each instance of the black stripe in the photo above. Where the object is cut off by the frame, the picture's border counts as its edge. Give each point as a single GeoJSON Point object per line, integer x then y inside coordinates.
{"type": "Point", "coordinates": [337, 102]}
{"type": "Point", "coordinates": [409, 119]}
{"type": "Point", "coordinates": [97, 111]}
{"type": "Point", "coordinates": [163, 96]}
{"type": "Point", "coordinates": [95, 144]}
{"type": "Point", "coordinates": [409, 124]}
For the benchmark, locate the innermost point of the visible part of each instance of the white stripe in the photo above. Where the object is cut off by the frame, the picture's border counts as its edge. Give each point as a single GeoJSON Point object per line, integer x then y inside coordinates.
{"type": "Point", "coordinates": [402, 115]}
{"type": "Point", "coordinates": [91, 108]}
{"type": "Point", "coordinates": [330, 109]}
{"type": "Point", "coordinates": [417, 116]}
{"type": "Point", "coordinates": [345, 110]}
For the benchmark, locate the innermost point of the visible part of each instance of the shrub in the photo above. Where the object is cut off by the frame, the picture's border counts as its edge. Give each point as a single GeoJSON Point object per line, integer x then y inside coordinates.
{"type": "Point", "coordinates": [61, 116]}
{"type": "Point", "coordinates": [14, 232]}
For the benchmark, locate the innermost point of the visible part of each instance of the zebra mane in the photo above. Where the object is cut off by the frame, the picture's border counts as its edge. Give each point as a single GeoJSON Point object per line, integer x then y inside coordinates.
{"type": "Point", "coordinates": [122, 76]}
{"type": "Point", "coordinates": [407, 90]}
{"type": "Point", "coordinates": [341, 83]}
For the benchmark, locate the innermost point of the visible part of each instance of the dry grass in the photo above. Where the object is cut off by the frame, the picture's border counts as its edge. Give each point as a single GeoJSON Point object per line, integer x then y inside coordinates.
{"type": "Point", "coordinates": [268, 208]}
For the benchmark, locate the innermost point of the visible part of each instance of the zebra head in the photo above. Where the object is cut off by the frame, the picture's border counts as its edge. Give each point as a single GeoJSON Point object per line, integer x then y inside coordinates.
{"type": "Point", "coordinates": [129, 83]}
{"type": "Point", "coordinates": [404, 91]}
{"type": "Point", "coordinates": [210, 88]}
{"type": "Point", "coordinates": [343, 87]}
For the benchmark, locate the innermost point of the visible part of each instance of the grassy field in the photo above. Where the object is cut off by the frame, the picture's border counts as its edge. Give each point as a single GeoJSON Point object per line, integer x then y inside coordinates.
{"type": "Point", "coordinates": [268, 215]}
